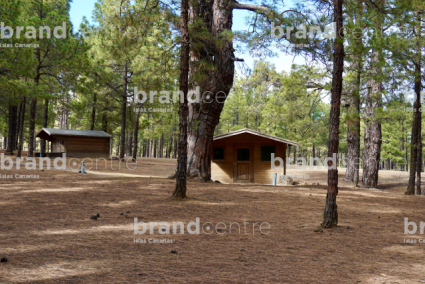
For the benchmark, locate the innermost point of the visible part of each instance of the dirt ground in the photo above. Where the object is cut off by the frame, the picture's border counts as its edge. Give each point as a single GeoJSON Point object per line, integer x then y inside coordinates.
{"type": "Point", "coordinates": [47, 235]}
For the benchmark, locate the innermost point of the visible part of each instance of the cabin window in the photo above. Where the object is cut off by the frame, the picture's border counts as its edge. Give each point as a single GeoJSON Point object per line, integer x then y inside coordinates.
{"type": "Point", "coordinates": [218, 153]}
{"type": "Point", "coordinates": [243, 154]}
{"type": "Point", "coordinates": [266, 153]}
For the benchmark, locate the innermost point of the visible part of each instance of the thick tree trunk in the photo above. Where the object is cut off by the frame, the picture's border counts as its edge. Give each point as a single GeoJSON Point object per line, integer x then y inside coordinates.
{"type": "Point", "coordinates": [330, 215]}
{"type": "Point", "coordinates": [12, 127]}
{"type": "Point", "coordinates": [373, 134]}
{"type": "Point", "coordinates": [21, 127]}
{"type": "Point", "coordinates": [181, 173]}
{"type": "Point", "coordinates": [215, 86]}
{"type": "Point", "coordinates": [353, 136]}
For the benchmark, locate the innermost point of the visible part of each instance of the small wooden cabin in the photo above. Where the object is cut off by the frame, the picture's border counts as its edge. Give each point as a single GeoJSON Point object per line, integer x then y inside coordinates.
{"type": "Point", "coordinates": [76, 143]}
{"type": "Point", "coordinates": [244, 156]}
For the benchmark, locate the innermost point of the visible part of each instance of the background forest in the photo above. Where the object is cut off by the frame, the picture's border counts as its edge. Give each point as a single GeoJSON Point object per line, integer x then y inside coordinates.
{"type": "Point", "coordinates": [87, 79]}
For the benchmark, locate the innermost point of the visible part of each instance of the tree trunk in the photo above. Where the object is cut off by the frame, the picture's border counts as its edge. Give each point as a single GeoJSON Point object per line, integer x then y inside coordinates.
{"type": "Point", "coordinates": [21, 127]}
{"type": "Point", "coordinates": [213, 88]}
{"type": "Point", "coordinates": [161, 151]}
{"type": "Point", "coordinates": [123, 112]}
{"type": "Point", "coordinates": [418, 85]}
{"type": "Point", "coordinates": [353, 125]}
{"type": "Point", "coordinates": [31, 138]}
{"type": "Point", "coordinates": [18, 128]}
{"type": "Point", "coordinates": [129, 145]}
{"type": "Point", "coordinates": [175, 148]}
{"type": "Point", "coordinates": [403, 166]}
{"type": "Point", "coordinates": [148, 150]}
{"type": "Point", "coordinates": [414, 139]}
{"type": "Point", "coordinates": [146, 154]}
{"type": "Point", "coordinates": [181, 173]}
{"type": "Point", "coordinates": [12, 127]}
{"type": "Point", "coordinates": [170, 144]}
{"type": "Point", "coordinates": [105, 123]}
{"type": "Point", "coordinates": [45, 119]}
{"type": "Point", "coordinates": [330, 215]}
{"type": "Point", "coordinates": [136, 135]}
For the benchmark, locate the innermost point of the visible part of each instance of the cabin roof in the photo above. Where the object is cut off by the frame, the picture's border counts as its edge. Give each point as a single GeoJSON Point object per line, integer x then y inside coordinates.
{"type": "Point", "coordinates": [250, 131]}
{"type": "Point", "coordinates": [73, 132]}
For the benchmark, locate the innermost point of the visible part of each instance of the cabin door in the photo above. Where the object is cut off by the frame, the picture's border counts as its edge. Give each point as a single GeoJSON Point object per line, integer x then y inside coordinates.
{"type": "Point", "coordinates": [243, 157]}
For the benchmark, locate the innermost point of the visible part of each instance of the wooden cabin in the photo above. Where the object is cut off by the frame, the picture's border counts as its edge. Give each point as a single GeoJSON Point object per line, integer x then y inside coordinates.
{"type": "Point", "coordinates": [76, 143]}
{"type": "Point", "coordinates": [244, 156]}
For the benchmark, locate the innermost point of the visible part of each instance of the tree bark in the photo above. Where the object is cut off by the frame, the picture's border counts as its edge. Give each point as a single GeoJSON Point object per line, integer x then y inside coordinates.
{"type": "Point", "coordinates": [12, 127]}
{"type": "Point", "coordinates": [175, 148]}
{"type": "Point", "coordinates": [21, 127]}
{"type": "Point", "coordinates": [418, 88]}
{"type": "Point", "coordinates": [414, 141]}
{"type": "Point", "coordinates": [45, 119]}
{"type": "Point", "coordinates": [418, 85]}
{"type": "Point", "coordinates": [330, 215]}
{"type": "Point", "coordinates": [170, 146]}
{"type": "Point", "coordinates": [129, 147]}
{"type": "Point", "coordinates": [136, 135]}
{"type": "Point", "coordinates": [18, 127]}
{"type": "Point", "coordinates": [353, 125]}
{"type": "Point", "coordinates": [181, 173]}
{"type": "Point", "coordinates": [373, 134]}
{"type": "Point", "coordinates": [31, 138]}
{"type": "Point", "coordinates": [161, 146]}
{"type": "Point", "coordinates": [105, 123]}
{"type": "Point", "coordinates": [204, 116]}
{"type": "Point", "coordinates": [123, 112]}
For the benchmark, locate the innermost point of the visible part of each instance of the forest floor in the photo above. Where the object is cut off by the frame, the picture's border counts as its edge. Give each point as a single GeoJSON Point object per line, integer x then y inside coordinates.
{"type": "Point", "coordinates": [47, 235]}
